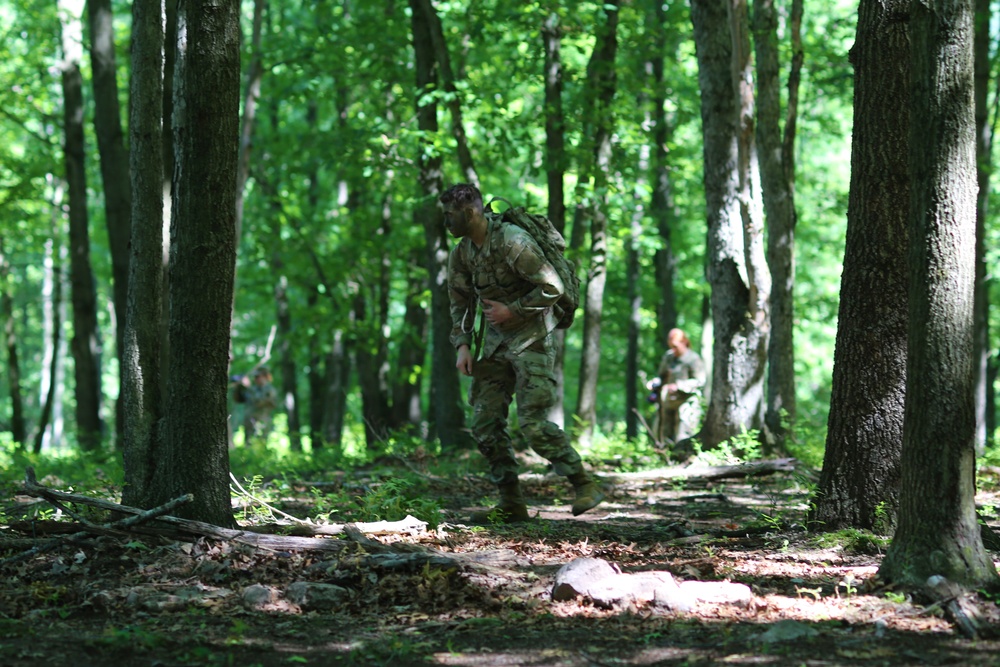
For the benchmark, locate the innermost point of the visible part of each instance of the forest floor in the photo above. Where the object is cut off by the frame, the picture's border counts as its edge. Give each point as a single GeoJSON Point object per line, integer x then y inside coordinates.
{"type": "Point", "coordinates": [462, 595]}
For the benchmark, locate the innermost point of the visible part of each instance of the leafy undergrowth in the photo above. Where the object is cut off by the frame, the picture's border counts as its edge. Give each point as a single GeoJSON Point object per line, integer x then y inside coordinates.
{"type": "Point", "coordinates": [148, 600]}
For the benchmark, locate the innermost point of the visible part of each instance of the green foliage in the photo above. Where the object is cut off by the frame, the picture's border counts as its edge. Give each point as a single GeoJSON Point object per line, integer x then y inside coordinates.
{"type": "Point", "coordinates": [394, 499]}
{"type": "Point", "coordinates": [853, 540]}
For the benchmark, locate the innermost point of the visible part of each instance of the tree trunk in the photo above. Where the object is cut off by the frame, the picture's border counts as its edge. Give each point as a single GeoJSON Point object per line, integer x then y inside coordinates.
{"type": "Point", "coordinates": [202, 257]}
{"type": "Point", "coordinates": [446, 402]}
{"type": "Point", "coordinates": [984, 166]}
{"type": "Point", "coordinates": [939, 532]}
{"type": "Point", "coordinates": [602, 81]}
{"type": "Point", "coordinates": [406, 407]}
{"type": "Point", "coordinates": [435, 35]}
{"type": "Point", "coordinates": [86, 341]}
{"type": "Point", "coordinates": [18, 428]}
{"type": "Point", "coordinates": [777, 181]}
{"type": "Point", "coordinates": [289, 393]}
{"type": "Point", "coordinates": [555, 173]}
{"type": "Point", "coordinates": [661, 205]}
{"type": "Point", "coordinates": [735, 273]}
{"type": "Point", "coordinates": [338, 370]}
{"type": "Point", "coordinates": [859, 484]}
{"type": "Point", "coordinates": [114, 166]}
{"type": "Point", "coordinates": [141, 396]}
{"type": "Point", "coordinates": [371, 361]}
{"type": "Point", "coordinates": [254, 75]}
{"type": "Point", "coordinates": [52, 333]}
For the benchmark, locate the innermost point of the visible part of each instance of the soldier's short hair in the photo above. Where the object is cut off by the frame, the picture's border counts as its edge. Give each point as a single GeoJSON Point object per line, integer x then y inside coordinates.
{"type": "Point", "coordinates": [463, 194]}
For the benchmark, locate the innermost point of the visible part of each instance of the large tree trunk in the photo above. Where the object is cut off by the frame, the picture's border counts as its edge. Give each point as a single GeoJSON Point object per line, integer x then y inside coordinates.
{"type": "Point", "coordinates": [555, 172]}
{"type": "Point", "coordinates": [141, 395]}
{"type": "Point", "coordinates": [114, 164]}
{"type": "Point", "coordinates": [18, 428]}
{"type": "Point", "coordinates": [735, 271]}
{"type": "Point", "coordinates": [859, 484]}
{"type": "Point", "coordinates": [446, 401]}
{"type": "Point", "coordinates": [202, 258]}
{"type": "Point", "coordinates": [601, 79]}
{"type": "Point", "coordinates": [86, 341]}
{"type": "Point", "coordinates": [939, 531]}
{"type": "Point", "coordinates": [778, 184]}
{"type": "Point", "coordinates": [984, 166]}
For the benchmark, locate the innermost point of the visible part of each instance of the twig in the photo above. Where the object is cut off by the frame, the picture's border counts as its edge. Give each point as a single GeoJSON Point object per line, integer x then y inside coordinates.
{"type": "Point", "coordinates": [239, 487]}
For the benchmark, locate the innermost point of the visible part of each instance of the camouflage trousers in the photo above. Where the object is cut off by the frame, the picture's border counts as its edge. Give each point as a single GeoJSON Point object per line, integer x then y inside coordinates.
{"type": "Point", "coordinates": [528, 375]}
{"type": "Point", "coordinates": [673, 424]}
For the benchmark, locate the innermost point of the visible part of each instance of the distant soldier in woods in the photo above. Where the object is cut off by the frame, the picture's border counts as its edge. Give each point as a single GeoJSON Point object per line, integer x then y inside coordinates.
{"type": "Point", "coordinates": [499, 268]}
{"type": "Point", "coordinates": [676, 390]}
{"type": "Point", "coordinates": [260, 398]}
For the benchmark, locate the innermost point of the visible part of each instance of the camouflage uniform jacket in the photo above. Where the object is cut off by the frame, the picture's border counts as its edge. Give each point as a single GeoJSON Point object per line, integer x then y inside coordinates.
{"type": "Point", "coordinates": [509, 268]}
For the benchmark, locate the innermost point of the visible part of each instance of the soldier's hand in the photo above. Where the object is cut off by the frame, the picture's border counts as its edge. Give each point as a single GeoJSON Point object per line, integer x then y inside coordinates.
{"type": "Point", "coordinates": [464, 364]}
{"type": "Point", "coordinates": [497, 313]}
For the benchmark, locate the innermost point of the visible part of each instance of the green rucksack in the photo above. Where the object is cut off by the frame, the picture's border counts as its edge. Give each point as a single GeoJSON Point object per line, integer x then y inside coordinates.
{"type": "Point", "coordinates": [553, 247]}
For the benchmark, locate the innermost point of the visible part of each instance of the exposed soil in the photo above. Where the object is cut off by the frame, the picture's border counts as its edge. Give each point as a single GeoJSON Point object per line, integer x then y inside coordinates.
{"type": "Point", "coordinates": [157, 601]}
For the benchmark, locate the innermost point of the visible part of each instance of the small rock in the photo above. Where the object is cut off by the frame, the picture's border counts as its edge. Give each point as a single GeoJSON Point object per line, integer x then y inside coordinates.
{"type": "Point", "coordinates": [577, 576]}
{"type": "Point", "coordinates": [316, 597]}
{"type": "Point", "coordinates": [257, 596]}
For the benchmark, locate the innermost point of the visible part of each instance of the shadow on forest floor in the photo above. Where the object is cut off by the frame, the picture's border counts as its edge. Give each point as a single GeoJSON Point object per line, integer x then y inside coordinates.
{"type": "Point", "coordinates": [145, 599]}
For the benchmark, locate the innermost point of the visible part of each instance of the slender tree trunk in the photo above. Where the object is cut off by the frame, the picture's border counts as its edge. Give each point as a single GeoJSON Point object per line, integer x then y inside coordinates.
{"type": "Point", "coordinates": [939, 531]}
{"type": "Point", "coordinates": [52, 333]}
{"type": "Point", "coordinates": [735, 270]}
{"type": "Point", "coordinates": [661, 205]}
{"type": "Point", "coordinates": [289, 392]}
{"type": "Point", "coordinates": [86, 341]}
{"type": "Point", "coordinates": [777, 180]}
{"type": "Point", "coordinates": [859, 484]}
{"type": "Point", "coordinates": [601, 69]}
{"type": "Point", "coordinates": [202, 257]}
{"type": "Point", "coordinates": [338, 370]}
{"type": "Point", "coordinates": [555, 173]}
{"type": "Point", "coordinates": [406, 405]}
{"type": "Point", "coordinates": [18, 428]}
{"type": "Point", "coordinates": [633, 278]}
{"type": "Point", "coordinates": [984, 169]}
{"type": "Point", "coordinates": [453, 100]}
{"type": "Point", "coordinates": [114, 165]}
{"type": "Point", "coordinates": [141, 396]}
{"type": "Point", "coordinates": [446, 400]}
{"type": "Point", "coordinates": [254, 75]}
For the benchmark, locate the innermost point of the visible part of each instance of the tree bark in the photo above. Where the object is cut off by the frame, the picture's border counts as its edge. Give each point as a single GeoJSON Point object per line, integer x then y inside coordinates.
{"type": "Point", "coordinates": [446, 79]}
{"type": "Point", "coordinates": [18, 425]}
{"type": "Point", "coordinates": [939, 531]}
{"type": "Point", "coordinates": [289, 393]}
{"type": "Point", "coordinates": [141, 395]}
{"type": "Point", "coordinates": [446, 402]}
{"type": "Point", "coordinates": [777, 181]}
{"type": "Point", "coordinates": [202, 257]}
{"type": "Point", "coordinates": [114, 165]}
{"type": "Point", "coordinates": [254, 75]}
{"type": "Point", "coordinates": [86, 341]}
{"type": "Point", "coordinates": [52, 358]}
{"type": "Point", "coordinates": [602, 81]}
{"type": "Point", "coordinates": [555, 173]}
{"type": "Point", "coordinates": [859, 484]}
{"type": "Point", "coordinates": [661, 206]}
{"type": "Point", "coordinates": [984, 167]}
{"type": "Point", "coordinates": [735, 271]}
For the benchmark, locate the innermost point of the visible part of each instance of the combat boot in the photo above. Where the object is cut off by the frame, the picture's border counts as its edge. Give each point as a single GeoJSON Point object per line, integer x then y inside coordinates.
{"type": "Point", "coordinates": [512, 508]}
{"type": "Point", "coordinates": [588, 493]}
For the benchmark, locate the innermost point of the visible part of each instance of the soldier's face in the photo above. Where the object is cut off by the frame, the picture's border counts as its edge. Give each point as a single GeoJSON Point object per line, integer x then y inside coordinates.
{"type": "Point", "coordinates": [456, 220]}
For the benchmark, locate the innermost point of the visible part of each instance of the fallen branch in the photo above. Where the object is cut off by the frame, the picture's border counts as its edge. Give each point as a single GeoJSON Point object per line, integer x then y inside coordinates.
{"type": "Point", "coordinates": [120, 524]}
{"type": "Point", "coordinates": [185, 529]}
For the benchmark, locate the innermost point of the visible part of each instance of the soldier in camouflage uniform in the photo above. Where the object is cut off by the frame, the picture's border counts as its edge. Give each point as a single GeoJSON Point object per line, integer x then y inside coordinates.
{"type": "Point", "coordinates": [261, 400]}
{"type": "Point", "coordinates": [499, 268]}
{"type": "Point", "coordinates": [678, 384]}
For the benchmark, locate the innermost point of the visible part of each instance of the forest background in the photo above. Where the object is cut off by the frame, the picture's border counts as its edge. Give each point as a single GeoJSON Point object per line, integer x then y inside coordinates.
{"type": "Point", "coordinates": [331, 273]}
